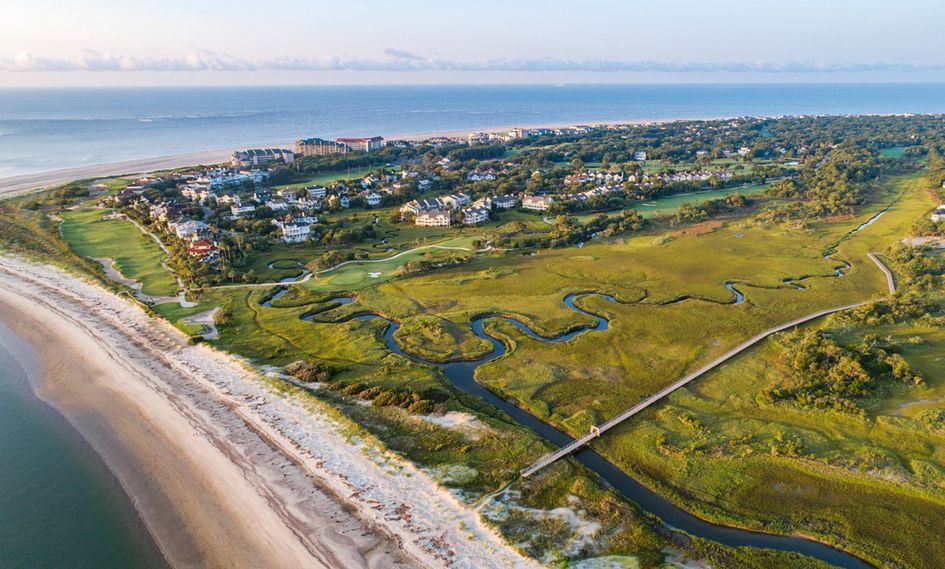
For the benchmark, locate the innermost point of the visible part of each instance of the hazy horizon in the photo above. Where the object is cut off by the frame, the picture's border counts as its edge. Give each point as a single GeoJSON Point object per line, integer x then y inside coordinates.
{"type": "Point", "coordinates": [215, 43]}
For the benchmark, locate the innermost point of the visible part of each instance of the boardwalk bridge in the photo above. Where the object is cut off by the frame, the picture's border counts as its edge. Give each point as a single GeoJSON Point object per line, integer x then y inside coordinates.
{"type": "Point", "coordinates": [600, 429]}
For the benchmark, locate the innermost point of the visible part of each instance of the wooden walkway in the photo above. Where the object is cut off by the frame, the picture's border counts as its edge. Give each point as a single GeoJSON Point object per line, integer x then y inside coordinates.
{"type": "Point", "coordinates": [599, 430]}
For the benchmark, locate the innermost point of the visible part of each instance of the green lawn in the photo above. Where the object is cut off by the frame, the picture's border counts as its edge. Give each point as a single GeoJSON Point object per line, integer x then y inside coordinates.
{"type": "Point", "coordinates": [135, 254]}
{"type": "Point", "coordinates": [358, 275]}
{"type": "Point", "coordinates": [326, 178]}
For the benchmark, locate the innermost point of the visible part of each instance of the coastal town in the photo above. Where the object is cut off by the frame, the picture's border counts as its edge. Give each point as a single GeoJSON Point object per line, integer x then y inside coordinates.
{"type": "Point", "coordinates": [403, 286]}
{"type": "Point", "coordinates": [487, 183]}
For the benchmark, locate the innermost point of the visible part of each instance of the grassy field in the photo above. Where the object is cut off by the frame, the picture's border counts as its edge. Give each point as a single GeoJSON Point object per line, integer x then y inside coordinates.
{"type": "Point", "coordinates": [326, 178]}
{"type": "Point", "coordinates": [870, 483]}
{"type": "Point", "coordinates": [669, 205]}
{"type": "Point", "coordinates": [135, 254]}
{"type": "Point", "coordinates": [596, 375]}
{"type": "Point", "coordinates": [358, 275]}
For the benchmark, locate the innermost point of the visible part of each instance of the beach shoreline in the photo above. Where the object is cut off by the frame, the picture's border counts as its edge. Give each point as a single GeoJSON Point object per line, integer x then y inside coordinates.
{"type": "Point", "coordinates": [27, 183]}
{"type": "Point", "coordinates": [223, 469]}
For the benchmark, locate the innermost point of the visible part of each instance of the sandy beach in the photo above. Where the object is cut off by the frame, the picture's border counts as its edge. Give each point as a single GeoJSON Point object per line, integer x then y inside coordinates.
{"type": "Point", "coordinates": [225, 470]}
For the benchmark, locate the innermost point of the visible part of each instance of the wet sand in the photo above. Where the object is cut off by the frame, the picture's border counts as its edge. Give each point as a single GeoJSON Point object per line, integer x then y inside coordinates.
{"type": "Point", "coordinates": [225, 469]}
{"type": "Point", "coordinates": [212, 491]}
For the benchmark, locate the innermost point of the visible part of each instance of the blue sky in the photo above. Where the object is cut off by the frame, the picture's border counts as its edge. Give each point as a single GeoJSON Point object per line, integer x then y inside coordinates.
{"type": "Point", "coordinates": [207, 42]}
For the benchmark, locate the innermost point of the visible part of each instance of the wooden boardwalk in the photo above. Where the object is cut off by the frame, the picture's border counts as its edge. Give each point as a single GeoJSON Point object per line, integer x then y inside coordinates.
{"type": "Point", "coordinates": [599, 430]}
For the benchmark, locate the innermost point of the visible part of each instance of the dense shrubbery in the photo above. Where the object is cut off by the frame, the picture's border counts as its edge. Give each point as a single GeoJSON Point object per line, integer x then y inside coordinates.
{"type": "Point", "coordinates": [705, 210]}
{"type": "Point", "coordinates": [823, 374]}
{"type": "Point", "coordinates": [837, 183]}
{"type": "Point", "coordinates": [919, 267]}
{"type": "Point", "coordinates": [309, 371]}
{"type": "Point", "coordinates": [886, 312]}
{"type": "Point", "coordinates": [413, 401]}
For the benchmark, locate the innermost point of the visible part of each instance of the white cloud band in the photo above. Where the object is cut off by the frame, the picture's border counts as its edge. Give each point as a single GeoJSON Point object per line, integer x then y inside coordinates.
{"type": "Point", "coordinates": [396, 60]}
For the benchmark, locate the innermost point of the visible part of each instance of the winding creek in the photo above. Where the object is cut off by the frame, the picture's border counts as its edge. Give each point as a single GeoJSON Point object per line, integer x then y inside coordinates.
{"type": "Point", "coordinates": [461, 374]}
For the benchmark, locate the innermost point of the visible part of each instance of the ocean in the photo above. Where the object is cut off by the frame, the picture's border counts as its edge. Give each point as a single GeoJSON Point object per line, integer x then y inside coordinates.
{"type": "Point", "coordinates": [59, 504]}
{"type": "Point", "coordinates": [49, 129]}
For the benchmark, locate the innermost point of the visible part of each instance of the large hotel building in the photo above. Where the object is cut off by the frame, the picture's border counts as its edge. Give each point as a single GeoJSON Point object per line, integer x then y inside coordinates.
{"type": "Point", "coordinates": [322, 147]}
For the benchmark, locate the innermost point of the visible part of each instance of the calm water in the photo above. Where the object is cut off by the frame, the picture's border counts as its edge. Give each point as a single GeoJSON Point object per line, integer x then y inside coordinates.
{"type": "Point", "coordinates": [46, 129]}
{"type": "Point", "coordinates": [59, 506]}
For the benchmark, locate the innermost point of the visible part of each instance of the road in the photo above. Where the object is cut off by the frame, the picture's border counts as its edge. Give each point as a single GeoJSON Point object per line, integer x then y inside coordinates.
{"type": "Point", "coordinates": [666, 391]}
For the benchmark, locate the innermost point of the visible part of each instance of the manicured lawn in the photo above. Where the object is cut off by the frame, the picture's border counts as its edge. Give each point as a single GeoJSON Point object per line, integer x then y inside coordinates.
{"type": "Point", "coordinates": [358, 275]}
{"type": "Point", "coordinates": [135, 255]}
{"type": "Point", "coordinates": [329, 177]}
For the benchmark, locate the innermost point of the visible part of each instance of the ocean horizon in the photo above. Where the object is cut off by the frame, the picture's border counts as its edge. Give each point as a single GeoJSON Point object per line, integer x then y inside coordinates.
{"type": "Point", "coordinates": [44, 129]}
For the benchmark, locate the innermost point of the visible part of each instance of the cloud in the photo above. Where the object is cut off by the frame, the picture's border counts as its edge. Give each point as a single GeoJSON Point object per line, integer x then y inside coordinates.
{"type": "Point", "coordinates": [398, 60]}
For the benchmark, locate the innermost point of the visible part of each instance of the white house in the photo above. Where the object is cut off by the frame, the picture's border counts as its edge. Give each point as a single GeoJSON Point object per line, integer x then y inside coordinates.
{"type": "Point", "coordinates": [277, 205]}
{"type": "Point", "coordinates": [343, 201]}
{"type": "Point", "coordinates": [310, 204]}
{"type": "Point", "coordinates": [475, 215]}
{"type": "Point", "coordinates": [639, 156]}
{"type": "Point", "coordinates": [291, 195]}
{"type": "Point", "coordinates": [294, 231]}
{"type": "Point", "coordinates": [372, 199]}
{"type": "Point", "coordinates": [187, 228]}
{"type": "Point", "coordinates": [318, 192]}
{"type": "Point", "coordinates": [504, 202]}
{"type": "Point", "coordinates": [240, 210]}
{"type": "Point", "coordinates": [537, 203]}
{"type": "Point", "coordinates": [456, 201]}
{"type": "Point", "coordinates": [478, 176]}
{"type": "Point", "coordinates": [433, 218]}
{"type": "Point", "coordinates": [939, 214]}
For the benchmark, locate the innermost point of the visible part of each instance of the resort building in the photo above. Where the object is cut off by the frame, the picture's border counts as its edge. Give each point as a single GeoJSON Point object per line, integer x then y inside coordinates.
{"type": "Point", "coordinates": [433, 218]}
{"type": "Point", "coordinates": [318, 147]}
{"type": "Point", "coordinates": [537, 203]}
{"type": "Point", "coordinates": [362, 144]}
{"type": "Point", "coordinates": [260, 156]}
{"type": "Point", "coordinates": [475, 215]}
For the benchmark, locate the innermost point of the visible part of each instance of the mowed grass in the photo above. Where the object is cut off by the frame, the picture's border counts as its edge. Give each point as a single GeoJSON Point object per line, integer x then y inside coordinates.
{"type": "Point", "coordinates": [135, 255]}
{"type": "Point", "coordinates": [358, 275]}
{"type": "Point", "coordinates": [669, 205]}
{"type": "Point", "coordinates": [329, 177]}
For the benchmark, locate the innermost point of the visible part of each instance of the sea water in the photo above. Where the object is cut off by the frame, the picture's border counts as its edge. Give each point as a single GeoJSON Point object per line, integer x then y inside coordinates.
{"type": "Point", "coordinates": [48, 129]}
{"type": "Point", "coordinates": [59, 505]}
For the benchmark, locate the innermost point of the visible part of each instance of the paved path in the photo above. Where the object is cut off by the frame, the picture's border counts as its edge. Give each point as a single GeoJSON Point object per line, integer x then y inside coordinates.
{"type": "Point", "coordinates": [598, 431]}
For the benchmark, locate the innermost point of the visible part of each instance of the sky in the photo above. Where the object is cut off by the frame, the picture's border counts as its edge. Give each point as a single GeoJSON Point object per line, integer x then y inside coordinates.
{"type": "Point", "coordinates": [314, 42]}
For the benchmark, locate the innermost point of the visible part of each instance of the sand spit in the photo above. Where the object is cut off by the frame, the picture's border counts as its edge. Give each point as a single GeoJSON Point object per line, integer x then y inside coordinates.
{"type": "Point", "coordinates": [226, 470]}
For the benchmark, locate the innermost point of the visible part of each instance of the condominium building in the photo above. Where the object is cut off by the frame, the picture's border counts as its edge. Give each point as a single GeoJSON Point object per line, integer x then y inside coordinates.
{"type": "Point", "coordinates": [362, 144]}
{"type": "Point", "coordinates": [319, 147]}
{"type": "Point", "coordinates": [433, 218]}
{"type": "Point", "coordinates": [260, 156]}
